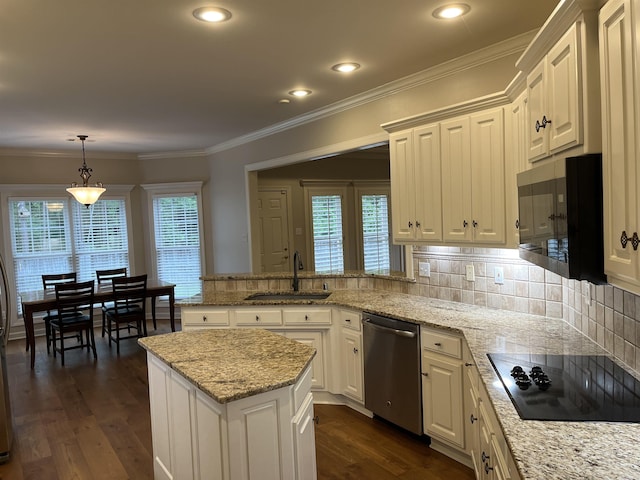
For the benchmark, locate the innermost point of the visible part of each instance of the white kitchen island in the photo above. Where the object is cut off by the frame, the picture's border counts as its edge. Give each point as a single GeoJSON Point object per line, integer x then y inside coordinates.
{"type": "Point", "coordinates": [230, 404]}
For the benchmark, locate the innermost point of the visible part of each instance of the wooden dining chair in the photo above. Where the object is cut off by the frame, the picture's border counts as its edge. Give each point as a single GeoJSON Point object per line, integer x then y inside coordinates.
{"type": "Point", "coordinates": [48, 283]}
{"type": "Point", "coordinates": [104, 277]}
{"type": "Point", "coordinates": [72, 301]}
{"type": "Point", "coordinates": [129, 308]}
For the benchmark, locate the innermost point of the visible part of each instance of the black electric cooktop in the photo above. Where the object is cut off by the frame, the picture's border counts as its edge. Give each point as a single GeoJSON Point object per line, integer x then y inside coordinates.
{"type": "Point", "coordinates": [568, 387]}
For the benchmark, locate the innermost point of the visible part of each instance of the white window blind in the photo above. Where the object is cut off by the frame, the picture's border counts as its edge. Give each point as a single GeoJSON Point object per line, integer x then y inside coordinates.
{"type": "Point", "coordinates": [45, 239]}
{"type": "Point", "coordinates": [101, 241]}
{"type": "Point", "coordinates": [328, 247]}
{"type": "Point", "coordinates": [375, 233]}
{"type": "Point", "coordinates": [177, 242]}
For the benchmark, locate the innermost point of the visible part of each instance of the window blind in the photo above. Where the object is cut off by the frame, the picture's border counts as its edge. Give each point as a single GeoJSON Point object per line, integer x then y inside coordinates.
{"type": "Point", "coordinates": [101, 240]}
{"type": "Point", "coordinates": [177, 242]}
{"type": "Point", "coordinates": [375, 233]}
{"type": "Point", "coordinates": [328, 245]}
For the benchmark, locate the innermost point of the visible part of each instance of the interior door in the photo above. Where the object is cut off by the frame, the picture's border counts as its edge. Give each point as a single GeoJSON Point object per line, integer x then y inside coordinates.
{"type": "Point", "coordinates": [273, 221]}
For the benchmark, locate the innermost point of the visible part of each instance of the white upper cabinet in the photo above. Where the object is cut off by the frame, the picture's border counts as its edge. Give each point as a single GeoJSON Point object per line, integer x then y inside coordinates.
{"type": "Point", "coordinates": [554, 98]}
{"type": "Point", "coordinates": [619, 80]}
{"type": "Point", "coordinates": [415, 185]}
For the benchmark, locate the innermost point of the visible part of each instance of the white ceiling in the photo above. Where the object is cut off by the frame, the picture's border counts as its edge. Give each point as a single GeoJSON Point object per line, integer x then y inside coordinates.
{"type": "Point", "coordinates": [143, 76]}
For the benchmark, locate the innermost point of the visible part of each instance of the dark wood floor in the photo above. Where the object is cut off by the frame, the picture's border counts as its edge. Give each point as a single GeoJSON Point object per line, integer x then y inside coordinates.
{"type": "Point", "coordinates": [90, 420]}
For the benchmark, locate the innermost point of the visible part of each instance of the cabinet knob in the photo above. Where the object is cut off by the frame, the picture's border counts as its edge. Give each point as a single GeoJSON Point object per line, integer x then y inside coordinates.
{"type": "Point", "coordinates": [635, 241]}
{"type": "Point", "coordinates": [410, 224]}
{"type": "Point", "coordinates": [624, 239]}
{"type": "Point", "coordinates": [355, 350]}
{"type": "Point", "coordinates": [348, 320]}
{"type": "Point", "coordinates": [517, 224]}
{"type": "Point", "coordinates": [472, 418]}
{"type": "Point", "coordinates": [417, 224]}
{"type": "Point", "coordinates": [425, 374]}
{"type": "Point", "coordinates": [306, 317]}
{"type": "Point", "coordinates": [474, 223]}
{"type": "Point", "coordinates": [204, 318]}
{"type": "Point", "coordinates": [487, 468]}
{"type": "Point", "coordinates": [464, 223]}
{"type": "Point", "coordinates": [257, 318]}
{"type": "Point", "coordinates": [437, 344]}
{"type": "Point", "coordinates": [316, 419]}
{"type": "Point", "coordinates": [467, 364]}
{"type": "Point", "coordinates": [485, 457]}
{"type": "Point", "coordinates": [543, 123]}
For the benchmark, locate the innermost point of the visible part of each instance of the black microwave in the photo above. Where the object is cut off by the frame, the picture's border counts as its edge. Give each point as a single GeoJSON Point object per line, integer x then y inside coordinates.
{"type": "Point", "coordinates": [560, 217]}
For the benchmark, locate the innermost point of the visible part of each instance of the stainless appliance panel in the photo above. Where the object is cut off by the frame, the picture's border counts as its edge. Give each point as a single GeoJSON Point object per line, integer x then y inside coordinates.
{"type": "Point", "coordinates": [6, 426]}
{"type": "Point", "coordinates": [392, 385]}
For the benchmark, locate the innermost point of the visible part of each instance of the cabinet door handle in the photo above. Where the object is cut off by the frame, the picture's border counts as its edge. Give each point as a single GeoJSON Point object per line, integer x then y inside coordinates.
{"type": "Point", "coordinates": [542, 124]}
{"type": "Point", "coordinates": [410, 224]}
{"type": "Point", "coordinates": [355, 350]}
{"type": "Point", "coordinates": [257, 318]}
{"type": "Point", "coordinates": [464, 223]}
{"type": "Point", "coordinates": [467, 364]}
{"type": "Point", "coordinates": [624, 239]}
{"type": "Point", "coordinates": [635, 241]}
{"type": "Point", "coordinates": [204, 318]}
{"type": "Point", "coordinates": [518, 224]}
{"type": "Point", "coordinates": [417, 224]}
{"type": "Point", "coordinates": [348, 320]}
{"type": "Point", "coordinates": [306, 317]}
{"type": "Point", "coordinates": [485, 457]}
{"type": "Point", "coordinates": [316, 419]}
{"type": "Point", "coordinates": [473, 419]}
{"type": "Point", "coordinates": [438, 344]}
{"type": "Point", "coordinates": [475, 224]}
{"type": "Point", "coordinates": [425, 374]}
{"type": "Point", "coordinates": [487, 468]}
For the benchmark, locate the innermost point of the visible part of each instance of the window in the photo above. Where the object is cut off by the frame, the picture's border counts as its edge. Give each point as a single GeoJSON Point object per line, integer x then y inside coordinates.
{"type": "Point", "coordinates": [177, 237]}
{"type": "Point", "coordinates": [328, 246]}
{"type": "Point", "coordinates": [58, 235]}
{"type": "Point", "coordinates": [375, 232]}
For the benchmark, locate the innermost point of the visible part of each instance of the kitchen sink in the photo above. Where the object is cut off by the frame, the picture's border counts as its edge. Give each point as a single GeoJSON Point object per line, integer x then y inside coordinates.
{"type": "Point", "coordinates": [289, 296]}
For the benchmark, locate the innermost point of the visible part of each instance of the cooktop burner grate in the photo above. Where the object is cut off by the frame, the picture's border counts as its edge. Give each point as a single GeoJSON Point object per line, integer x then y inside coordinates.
{"type": "Point", "coordinates": [568, 387]}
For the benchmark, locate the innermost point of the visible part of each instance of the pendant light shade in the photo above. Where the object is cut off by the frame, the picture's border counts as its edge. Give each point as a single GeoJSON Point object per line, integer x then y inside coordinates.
{"type": "Point", "coordinates": [86, 194]}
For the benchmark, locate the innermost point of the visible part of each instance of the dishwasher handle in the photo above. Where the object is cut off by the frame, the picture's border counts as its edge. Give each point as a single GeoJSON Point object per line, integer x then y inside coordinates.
{"type": "Point", "coordinates": [395, 331]}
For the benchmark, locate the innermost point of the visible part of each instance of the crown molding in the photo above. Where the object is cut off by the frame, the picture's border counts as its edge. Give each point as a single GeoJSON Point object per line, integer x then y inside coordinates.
{"type": "Point", "coordinates": [173, 155]}
{"type": "Point", "coordinates": [494, 52]}
{"type": "Point", "coordinates": [16, 152]}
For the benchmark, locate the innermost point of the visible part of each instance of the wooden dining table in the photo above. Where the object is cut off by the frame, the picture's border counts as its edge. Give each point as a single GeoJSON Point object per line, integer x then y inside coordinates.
{"type": "Point", "coordinates": [45, 300]}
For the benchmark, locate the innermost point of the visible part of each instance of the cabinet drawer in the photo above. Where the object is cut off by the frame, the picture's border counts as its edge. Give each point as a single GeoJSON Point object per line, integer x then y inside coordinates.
{"type": "Point", "coordinates": [350, 319]}
{"type": "Point", "coordinates": [306, 316]}
{"type": "Point", "coordinates": [441, 343]}
{"type": "Point", "coordinates": [258, 316]}
{"type": "Point", "coordinates": [204, 316]}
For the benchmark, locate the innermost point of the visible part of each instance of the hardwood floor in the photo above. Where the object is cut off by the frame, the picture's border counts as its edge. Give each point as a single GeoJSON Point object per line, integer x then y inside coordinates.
{"type": "Point", "coordinates": [90, 420]}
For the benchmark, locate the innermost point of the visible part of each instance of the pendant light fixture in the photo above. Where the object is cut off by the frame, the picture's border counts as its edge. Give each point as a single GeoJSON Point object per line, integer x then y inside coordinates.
{"type": "Point", "coordinates": [86, 194]}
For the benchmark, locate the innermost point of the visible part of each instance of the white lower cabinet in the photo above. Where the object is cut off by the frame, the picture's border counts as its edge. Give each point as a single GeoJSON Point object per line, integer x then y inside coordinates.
{"type": "Point", "coordinates": [351, 370]}
{"type": "Point", "coordinates": [266, 436]}
{"type": "Point", "coordinates": [442, 387]}
{"type": "Point", "coordinates": [486, 444]}
{"type": "Point", "coordinates": [314, 339]}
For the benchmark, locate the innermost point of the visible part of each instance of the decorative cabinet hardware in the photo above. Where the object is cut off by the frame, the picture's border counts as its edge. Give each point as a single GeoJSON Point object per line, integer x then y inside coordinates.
{"type": "Point", "coordinates": [487, 468]}
{"type": "Point", "coordinates": [417, 224]}
{"type": "Point", "coordinates": [473, 419]}
{"type": "Point", "coordinates": [316, 419]}
{"type": "Point", "coordinates": [355, 350]}
{"type": "Point", "coordinates": [204, 318]}
{"type": "Point", "coordinates": [348, 320]}
{"type": "Point", "coordinates": [438, 344]}
{"type": "Point", "coordinates": [306, 317]}
{"type": "Point", "coordinates": [425, 374]}
{"type": "Point", "coordinates": [624, 239]}
{"type": "Point", "coordinates": [517, 223]}
{"type": "Point", "coordinates": [485, 457]}
{"type": "Point", "coordinates": [635, 240]}
{"type": "Point", "coordinates": [410, 224]}
{"type": "Point", "coordinates": [474, 223]}
{"type": "Point", "coordinates": [467, 364]}
{"type": "Point", "coordinates": [542, 124]}
{"type": "Point", "coordinates": [465, 223]}
{"type": "Point", "coordinates": [257, 318]}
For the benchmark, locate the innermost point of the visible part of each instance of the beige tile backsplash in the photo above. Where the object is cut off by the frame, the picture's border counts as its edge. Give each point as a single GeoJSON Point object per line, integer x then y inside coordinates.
{"type": "Point", "coordinates": [604, 313]}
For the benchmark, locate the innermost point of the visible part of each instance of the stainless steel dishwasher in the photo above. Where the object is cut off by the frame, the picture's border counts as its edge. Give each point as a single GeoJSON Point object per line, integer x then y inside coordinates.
{"type": "Point", "coordinates": [392, 386]}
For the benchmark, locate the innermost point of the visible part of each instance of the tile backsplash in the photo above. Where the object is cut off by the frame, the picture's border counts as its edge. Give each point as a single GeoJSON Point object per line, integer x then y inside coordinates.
{"type": "Point", "coordinates": [604, 313]}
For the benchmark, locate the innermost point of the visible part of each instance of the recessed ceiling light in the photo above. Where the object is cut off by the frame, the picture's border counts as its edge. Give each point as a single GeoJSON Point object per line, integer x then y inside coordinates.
{"type": "Point", "coordinates": [451, 11]}
{"type": "Point", "coordinates": [212, 14]}
{"type": "Point", "coordinates": [345, 67]}
{"type": "Point", "coordinates": [300, 93]}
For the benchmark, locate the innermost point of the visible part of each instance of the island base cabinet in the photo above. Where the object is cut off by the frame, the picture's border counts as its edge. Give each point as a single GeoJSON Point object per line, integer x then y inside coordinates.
{"type": "Point", "coordinates": [268, 436]}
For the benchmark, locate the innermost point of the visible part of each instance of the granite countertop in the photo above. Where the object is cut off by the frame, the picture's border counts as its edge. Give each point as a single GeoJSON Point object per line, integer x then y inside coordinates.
{"type": "Point", "coordinates": [230, 364]}
{"type": "Point", "coordinates": [541, 449]}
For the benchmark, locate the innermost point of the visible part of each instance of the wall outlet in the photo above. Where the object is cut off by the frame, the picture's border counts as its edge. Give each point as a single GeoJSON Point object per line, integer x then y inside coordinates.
{"type": "Point", "coordinates": [470, 273]}
{"type": "Point", "coordinates": [498, 275]}
{"type": "Point", "coordinates": [424, 269]}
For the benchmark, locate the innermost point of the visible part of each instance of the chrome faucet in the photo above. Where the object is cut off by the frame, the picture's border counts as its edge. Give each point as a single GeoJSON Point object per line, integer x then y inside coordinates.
{"type": "Point", "coordinates": [296, 264]}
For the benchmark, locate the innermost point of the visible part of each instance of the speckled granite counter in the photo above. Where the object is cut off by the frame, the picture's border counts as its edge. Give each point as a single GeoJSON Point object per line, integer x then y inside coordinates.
{"type": "Point", "coordinates": [542, 450]}
{"type": "Point", "coordinates": [233, 363]}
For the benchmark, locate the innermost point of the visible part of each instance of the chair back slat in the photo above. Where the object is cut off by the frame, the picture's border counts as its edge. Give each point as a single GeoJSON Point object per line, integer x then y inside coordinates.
{"type": "Point", "coordinates": [130, 291]}
{"type": "Point", "coordinates": [105, 276]}
{"type": "Point", "coordinates": [51, 280]}
{"type": "Point", "coordinates": [73, 298]}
